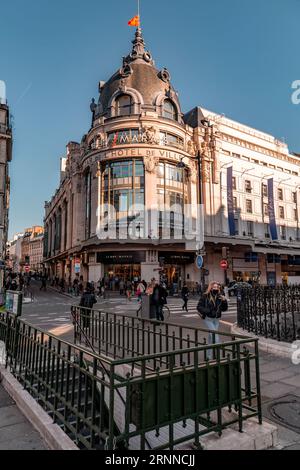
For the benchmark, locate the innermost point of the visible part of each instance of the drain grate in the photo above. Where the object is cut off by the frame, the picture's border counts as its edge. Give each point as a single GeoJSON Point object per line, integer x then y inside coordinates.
{"type": "Point", "coordinates": [285, 411]}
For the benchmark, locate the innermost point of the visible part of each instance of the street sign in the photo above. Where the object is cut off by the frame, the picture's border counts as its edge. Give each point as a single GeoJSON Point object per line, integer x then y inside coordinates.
{"type": "Point", "coordinates": [224, 264]}
{"type": "Point", "coordinates": [199, 261]}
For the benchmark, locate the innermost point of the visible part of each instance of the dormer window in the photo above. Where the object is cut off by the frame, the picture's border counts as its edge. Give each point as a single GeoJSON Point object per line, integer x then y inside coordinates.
{"type": "Point", "coordinates": [169, 110]}
{"type": "Point", "coordinates": [124, 105]}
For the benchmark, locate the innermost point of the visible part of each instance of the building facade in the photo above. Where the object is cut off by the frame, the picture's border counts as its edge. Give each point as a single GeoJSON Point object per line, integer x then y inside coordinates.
{"type": "Point", "coordinates": [14, 252]}
{"type": "Point", "coordinates": [36, 249]}
{"type": "Point", "coordinates": [32, 248]}
{"type": "Point", "coordinates": [5, 158]}
{"type": "Point", "coordinates": [144, 159]}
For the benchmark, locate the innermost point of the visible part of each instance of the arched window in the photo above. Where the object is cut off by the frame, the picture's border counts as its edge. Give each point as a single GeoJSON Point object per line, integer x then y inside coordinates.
{"type": "Point", "coordinates": [124, 105]}
{"type": "Point", "coordinates": [169, 110]}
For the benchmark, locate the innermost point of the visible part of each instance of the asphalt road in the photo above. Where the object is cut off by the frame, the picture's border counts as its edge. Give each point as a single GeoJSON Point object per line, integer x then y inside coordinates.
{"type": "Point", "coordinates": [50, 311]}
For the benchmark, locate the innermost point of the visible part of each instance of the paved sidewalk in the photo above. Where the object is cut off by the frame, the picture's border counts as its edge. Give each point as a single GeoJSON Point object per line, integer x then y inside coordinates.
{"type": "Point", "coordinates": [280, 381]}
{"type": "Point", "coordinates": [16, 433]}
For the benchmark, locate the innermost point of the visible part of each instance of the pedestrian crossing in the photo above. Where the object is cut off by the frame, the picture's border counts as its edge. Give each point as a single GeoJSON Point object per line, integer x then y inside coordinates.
{"type": "Point", "coordinates": [176, 308]}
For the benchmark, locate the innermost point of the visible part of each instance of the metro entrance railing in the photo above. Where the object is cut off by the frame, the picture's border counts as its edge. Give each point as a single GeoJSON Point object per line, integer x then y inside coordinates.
{"type": "Point", "coordinates": [145, 400]}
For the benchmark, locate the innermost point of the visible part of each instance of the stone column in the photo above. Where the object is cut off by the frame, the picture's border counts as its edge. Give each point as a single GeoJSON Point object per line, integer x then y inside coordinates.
{"type": "Point", "coordinates": [70, 220]}
{"type": "Point", "coordinates": [62, 229]}
{"type": "Point", "coordinates": [151, 164]}
{"type": "Point", "coordinates": [149, 269]}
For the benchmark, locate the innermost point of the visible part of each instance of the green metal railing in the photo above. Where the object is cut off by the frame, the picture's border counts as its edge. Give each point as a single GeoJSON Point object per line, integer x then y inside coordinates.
{"type": "Point", "coordinates": [272, 312]}
{"type": "Point", "coordinates": [120, 336]}
{"type": "Point", "coordinates": [157, 400]}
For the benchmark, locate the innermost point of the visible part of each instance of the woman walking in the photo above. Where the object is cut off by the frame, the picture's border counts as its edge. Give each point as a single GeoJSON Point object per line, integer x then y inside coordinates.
{"type": "Point", "coordinates": [210, 306]}
{"type": "Point", "coordinates": [185, 296]}
{"type": "Point", "coordinates": [140, 290]}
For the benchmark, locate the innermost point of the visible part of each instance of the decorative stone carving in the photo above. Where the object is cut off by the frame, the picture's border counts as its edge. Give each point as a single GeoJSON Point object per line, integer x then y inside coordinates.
{"type": "Point", "coordinates": [149, 135]}
{"type": "Point", "coordinates": [191, 147]}
{"type": "Point", "coordinates": [194, 172]}
{"type": "Point", "coordinates": [100, 139]}
{"type": "Point", "coordinates": [151, 163]}
{"type": "Point", "coordinates": [122, 86]}
{"type": "Point", "coordinates": [164, 75]}
{"type": "Point", "coordinates": [126, 70]}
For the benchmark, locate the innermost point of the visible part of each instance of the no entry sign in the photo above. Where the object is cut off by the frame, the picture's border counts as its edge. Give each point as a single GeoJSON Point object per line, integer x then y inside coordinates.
{"type": "Point", "coordinates": [224, 264]}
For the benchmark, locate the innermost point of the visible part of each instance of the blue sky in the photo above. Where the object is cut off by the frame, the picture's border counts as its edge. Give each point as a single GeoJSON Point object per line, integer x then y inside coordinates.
{"type": "Point", "coordinates": [237, 57]}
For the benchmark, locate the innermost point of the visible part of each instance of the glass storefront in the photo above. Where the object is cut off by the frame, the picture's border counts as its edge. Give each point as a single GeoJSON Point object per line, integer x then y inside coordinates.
{"type": "Point", "coordinates": [114, 273]}
{"type": "Point", "coordinates": [172, 276]}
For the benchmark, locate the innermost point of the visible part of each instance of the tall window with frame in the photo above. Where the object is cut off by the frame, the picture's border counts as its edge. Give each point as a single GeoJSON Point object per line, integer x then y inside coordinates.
{"type": "Point", "coordinates": [248, 186]}
{"type": "Point", "coordinates": [124, 105]}
{"type": "Point", "coordinates": [123, 187]}
{"type": "Point", "coordinates": [169, 110]}
{"type": "Point", "coordinates": [248, 206]}
{"type": "Point", "coordinates": [88, 202]}
{"type": "Point", "coordinates": [264, 188]}
{"type": "Point", "coordinates": [172, 192]}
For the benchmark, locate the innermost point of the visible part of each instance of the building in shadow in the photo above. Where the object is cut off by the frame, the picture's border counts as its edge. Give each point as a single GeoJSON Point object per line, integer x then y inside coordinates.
{"type": "Point", "coordinates": [5, 158]}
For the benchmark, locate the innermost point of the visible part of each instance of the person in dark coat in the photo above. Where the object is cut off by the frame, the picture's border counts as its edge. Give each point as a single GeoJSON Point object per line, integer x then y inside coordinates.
{"type": "Point", "coordinates": [185, 296]}
{"type": "Point", "coordinates": [158, 300]}
{"type": "Point", "coordinates": [87, 301]}
{"type": "Point", "coordinates": [210, 306]}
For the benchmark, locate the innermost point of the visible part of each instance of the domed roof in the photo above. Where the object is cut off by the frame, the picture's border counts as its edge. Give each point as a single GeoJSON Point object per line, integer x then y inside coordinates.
{"type": "Point", "coordinates": [138, 77]}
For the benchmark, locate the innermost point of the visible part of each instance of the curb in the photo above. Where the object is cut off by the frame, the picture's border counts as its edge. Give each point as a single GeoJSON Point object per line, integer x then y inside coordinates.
{"type": "Point", "coordinates": [268, 345]}
{"type": "Point", "coordinates": [61, 293]}
{"type": "Point", "coordinates": [53, 435]}
{"type": "Point", "coordinates": [254, 437]}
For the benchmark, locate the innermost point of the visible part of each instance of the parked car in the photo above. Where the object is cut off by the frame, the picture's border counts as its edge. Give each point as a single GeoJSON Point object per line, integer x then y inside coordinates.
{"type": "Point", "coordinates": [234, 287]}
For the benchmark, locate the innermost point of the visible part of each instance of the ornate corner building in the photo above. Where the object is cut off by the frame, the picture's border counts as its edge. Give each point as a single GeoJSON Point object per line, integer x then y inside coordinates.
{"type": "Point", "coordinates": [5, 158]}
{"type": "Point", "coordinates": [142, 151]}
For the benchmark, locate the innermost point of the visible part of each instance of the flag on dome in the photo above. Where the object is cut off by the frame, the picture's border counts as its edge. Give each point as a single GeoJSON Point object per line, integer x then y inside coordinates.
{"type": "Point", "coordinates": [135, 21]}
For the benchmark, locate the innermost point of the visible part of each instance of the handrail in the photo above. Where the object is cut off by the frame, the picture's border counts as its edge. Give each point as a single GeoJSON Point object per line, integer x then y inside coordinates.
{"type": "Point", "coordinates": [108, 374]}
{"type": "Point", "coordinates": [153, 322]}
